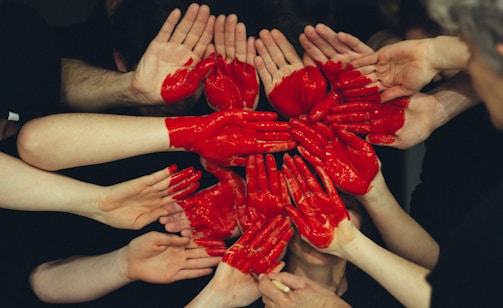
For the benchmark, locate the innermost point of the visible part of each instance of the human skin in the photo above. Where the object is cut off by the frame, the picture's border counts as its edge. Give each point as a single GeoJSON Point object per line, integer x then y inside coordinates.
{"type": "Point", "coordinates": [62, 141]}
{"type": "Point", "coordinates": [234, 82]}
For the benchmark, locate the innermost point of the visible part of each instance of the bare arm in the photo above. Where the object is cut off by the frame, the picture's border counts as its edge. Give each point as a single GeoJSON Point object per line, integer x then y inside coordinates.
{"type": "Point", "coordinates": [401, 233]}
{"type": "Point", "coordinates": [153, 257]}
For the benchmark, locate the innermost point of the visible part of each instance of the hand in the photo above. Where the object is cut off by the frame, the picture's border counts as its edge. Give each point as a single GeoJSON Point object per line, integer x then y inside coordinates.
{"type": "Point", "coordinates": [319, 211]}
{"type": "Point", "coordinates": [323, 44]}
{"type": "Point", "coordinates": [136, 203]}
{"type": "Point", "coordinates": [165, 258]}
{"type": "Point", "coordinates": [258, 250]}
{"type": "Point", "coordinates": [303, 292]}
{"type": "Point", "coordinates": [379, 122]}
{"type": "Point", "coordinates": [291, 87]}
{"type": "Point", "coordinates": [402, 69]}
{"type": "Point", "coordinates": [350, 160]}
{"type": "Point", "coordinates": [266, 192]}
{"type": "Point", "coordinates": [332, 52]}
{"type": "Point", "coordinates": [234, 82]}
{"type": "Point", "coordinates": [210, 212]}
{"type": "Point", "coordinates": [171, 68]}
{"type": "Point", "coordinates": [227, 137]}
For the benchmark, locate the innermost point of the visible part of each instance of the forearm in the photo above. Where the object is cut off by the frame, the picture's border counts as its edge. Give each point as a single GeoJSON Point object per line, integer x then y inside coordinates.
{"type": "Point", "coordinates": [78, 279]}
{"type": "Point", "coordinates": [23, 187]}
{"type": "Point", "coordinates": [401, 234]}
{"type": "Point", "coordinates": [91, 89]}
{"type": "Point", "coordinates": [405, 280]}
{"type": "Point", "coordinates": [69, 140]}
{"type": "Point", "coordinates": [447, 53]}
{"type": "Point", "coordinates": [454, 96]}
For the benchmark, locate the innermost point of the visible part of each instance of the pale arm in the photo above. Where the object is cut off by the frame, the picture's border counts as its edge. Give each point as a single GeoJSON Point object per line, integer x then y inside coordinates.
{"type": "Point", "coordinates": [69, 140]}
{"type": "Point", "coordinates": [401, 233]}
{"type": "Point", "coordinates": [153, 257]}
{"type": "Point", "coordinates": [129, 205]}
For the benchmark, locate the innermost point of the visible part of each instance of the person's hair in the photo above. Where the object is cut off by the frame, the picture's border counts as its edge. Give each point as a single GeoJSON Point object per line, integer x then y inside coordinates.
{"type": "Point", "coordinates": [480, 22]}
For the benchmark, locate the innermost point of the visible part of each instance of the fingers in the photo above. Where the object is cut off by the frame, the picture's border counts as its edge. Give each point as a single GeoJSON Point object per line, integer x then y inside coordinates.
{"type": "Point", "coordinates": [168, 26]}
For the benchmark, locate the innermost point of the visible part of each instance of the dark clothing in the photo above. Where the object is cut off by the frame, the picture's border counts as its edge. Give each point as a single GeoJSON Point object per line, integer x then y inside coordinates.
{"type": "Point", "coordinates": [30, 66]}
{"type": "Point", "coordinates": [469, 272]}
{"type": "Point", "coordinates": [462, 164]}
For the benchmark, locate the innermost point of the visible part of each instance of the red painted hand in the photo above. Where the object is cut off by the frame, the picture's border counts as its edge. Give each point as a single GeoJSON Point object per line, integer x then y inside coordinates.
{"type": "Point", "coordinates": [261, 246]}
{"type": "Point", "coordinates": [369, 117]}
{"type": "Point", "coordinates": [297, 93]}
{"type": "Point", "coordinates": [319, 211]}
{"type": "Point", "coordinates": [184, 82]}
{"type": "Point", "coordinates": [233, 84]}
{"type": "Point", "coordinates": [210, 212]}
{"type": "Point", "coordinates": [350, 160]}
{"type": "Point", "coordinates": [266, 192]}
{"type": "Point", "coordinates": [227, 137]}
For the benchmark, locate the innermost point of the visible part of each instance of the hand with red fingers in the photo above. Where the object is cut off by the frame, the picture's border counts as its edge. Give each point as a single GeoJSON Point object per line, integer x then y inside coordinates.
{"type": "Point", "coordinates": [377, 121]}
{"type": "Point", "coordinates": [332, 52]}
{"type": "Point", "coordinates": [227, 137]}
{"type": "Point", "coordinates": [291, 86]}
{"type": "Point", "coordinates": [258, 250]}
{"type": "Point", "coordinates": [319, 209]}
{"type": "Point", "coordinates": [234, 82]}
{"type": "Point", "coordinates": [350, 160]}
{"type": "Point", "coordinates": [210, 212]}
{"type": "Point", "coordinates": [266, 192]}
{"type": "Point", "coordinates": [138, 202]}
{"type": "Point", "coordinates": [171, 68]}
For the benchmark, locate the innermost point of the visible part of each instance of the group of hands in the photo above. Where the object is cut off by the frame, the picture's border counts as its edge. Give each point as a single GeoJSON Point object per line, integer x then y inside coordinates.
{"type": "Point", "coordinates": [328, 105]}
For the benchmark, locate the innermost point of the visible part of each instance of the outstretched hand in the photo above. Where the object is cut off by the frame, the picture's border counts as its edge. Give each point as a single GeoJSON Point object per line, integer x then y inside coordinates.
{"type": "Point", "coordinates": [165, 258]}
{"type": "Point", "coordinates": [350, 160]}
{"type": "Point", "coordinates": [401, 69]}
{"type": "Point", "coordinates": [227, 137]}
{"type": "Point", "coordinates": [319, 209]}
{"type": "Point", "coordinates": [210, 212]}
{"type": "Point", "coordinates": [257, 250]}
{"type": "Point", "coordinates": [234, 82]}
{"type": "Point", "coordinates": [291, 86]}
{"type": "Point", "coordinates": [171, 68]}
{"type": "Point", "coordinates": [138, 202]}
{"type": "Point", "coordinates": [266, 192]}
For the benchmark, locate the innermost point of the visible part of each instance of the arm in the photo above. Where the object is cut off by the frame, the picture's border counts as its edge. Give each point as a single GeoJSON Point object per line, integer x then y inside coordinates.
{"type": "Point", "coordinates": [130, 205]}
{"type": "Point", "coordinates": [323, 221]}
{"type": "Point", "coordinates": [153, 257]}
{"type": "Point", "coordinates": [173, 55]}
{"type": "Point", "coordinates": [402, 235]}
{"type": "Point", "coordinates": [226, 137]}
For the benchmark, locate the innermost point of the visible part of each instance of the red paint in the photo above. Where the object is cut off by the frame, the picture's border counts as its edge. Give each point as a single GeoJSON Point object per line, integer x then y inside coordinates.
{"type": "Point", "coordinates": [297, 93]}
{"type": "Point", "coordinates": [369, 117]}
{"type": "Point", "coordinates": [319, 208]}
{"type": "Point", "coordinates": [214, 248]}
{"type": "Point", "coordinates": [212, 211]}
{"type": "Point", "coordinates": [260, 247]}
{"type": "Point", "coordinates": [184, 82]}
{"type": "Point", "coordinates": [227, 137]}
{"type": "Point", "coordinates": [232, 84]}
{"type": "Point", "coordinates": [266, 192]}
{"type": "Point", "coordinates": [350, 161]}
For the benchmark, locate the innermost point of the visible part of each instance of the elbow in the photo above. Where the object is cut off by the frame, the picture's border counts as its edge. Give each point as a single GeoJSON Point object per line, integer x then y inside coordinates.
{"type": "Point", "coordinates": [32, 148]}
{"type": "Point", "coordinates": [39, 287]}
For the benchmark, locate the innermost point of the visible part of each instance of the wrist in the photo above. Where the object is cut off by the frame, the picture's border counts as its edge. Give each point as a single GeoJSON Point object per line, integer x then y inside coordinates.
{"type": "Point", "coordinates": [210, 297]}
{"type": "Point", "coordinates": [447, 53]}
